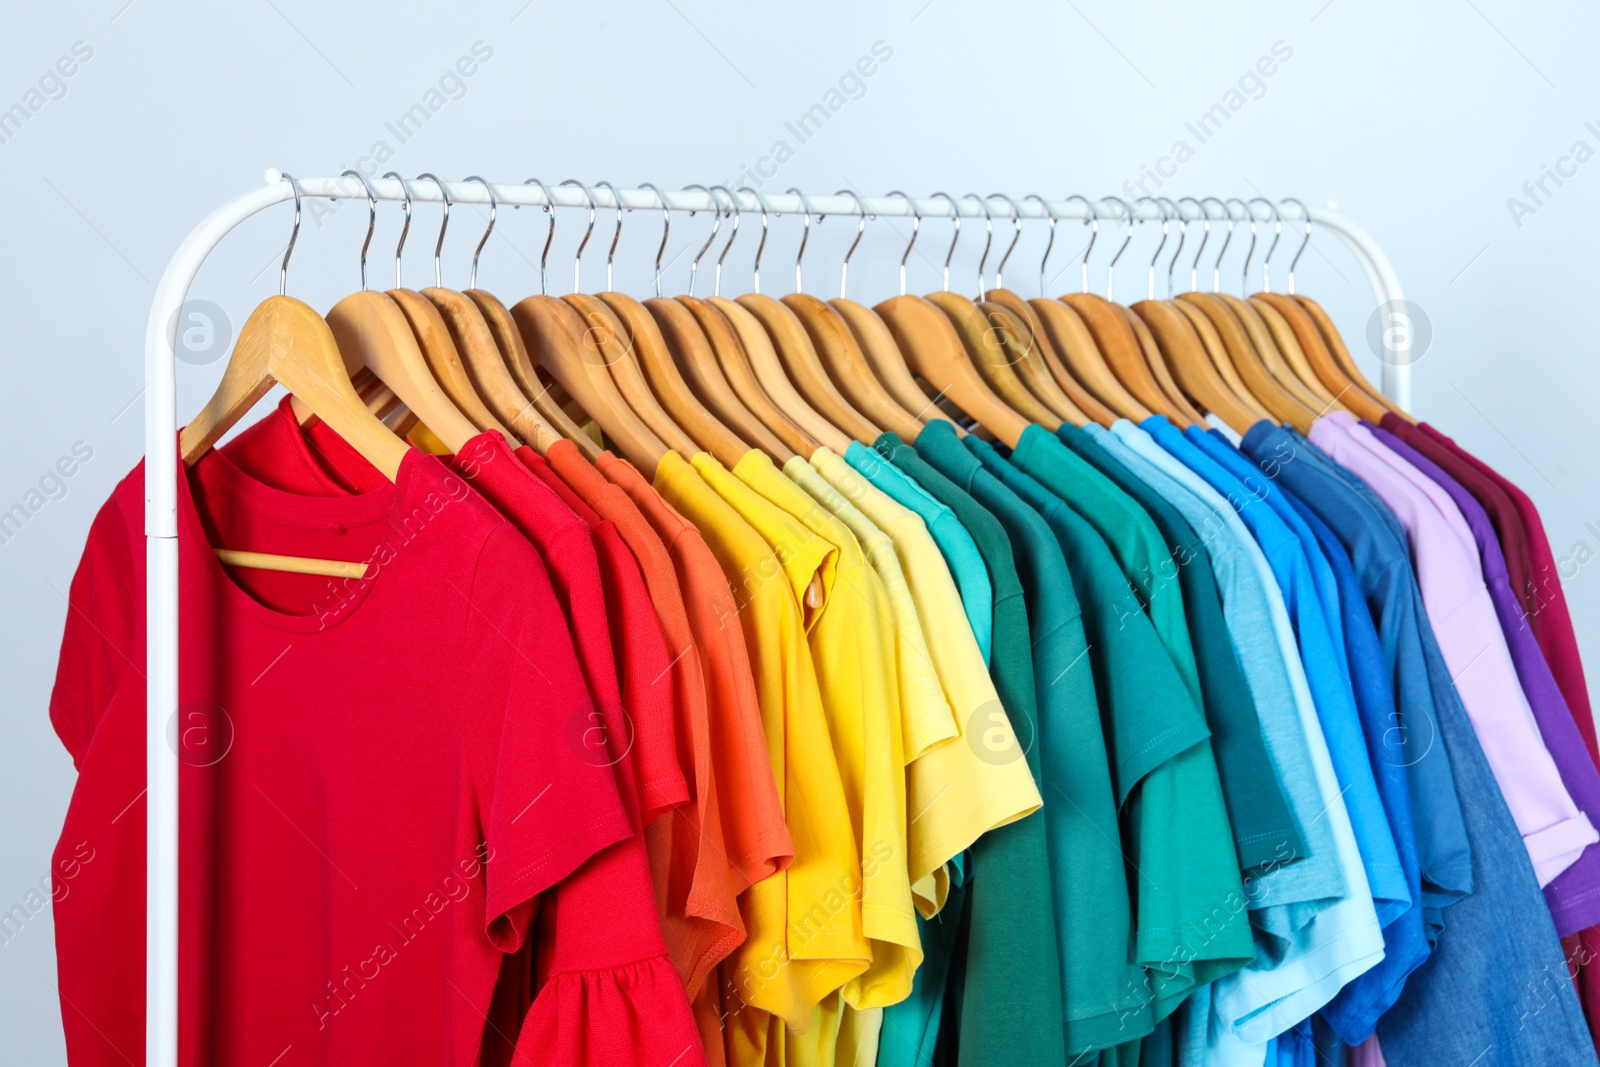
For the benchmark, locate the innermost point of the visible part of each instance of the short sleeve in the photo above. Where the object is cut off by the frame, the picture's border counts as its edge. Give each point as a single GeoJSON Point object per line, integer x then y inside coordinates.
{"type": "Point", "coordinates": [102, 638]}
{"type": "Point", "coordinates": [546, 802]}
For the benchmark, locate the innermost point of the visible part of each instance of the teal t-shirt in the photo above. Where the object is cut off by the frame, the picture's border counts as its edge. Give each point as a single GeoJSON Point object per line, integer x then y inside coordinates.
{"type": "Point", "coordinates": [1191, 924]}
{"type": "Point", "coordinates": [1010, 981]}
{"type": "Point", "coordinates": [1263, 829]}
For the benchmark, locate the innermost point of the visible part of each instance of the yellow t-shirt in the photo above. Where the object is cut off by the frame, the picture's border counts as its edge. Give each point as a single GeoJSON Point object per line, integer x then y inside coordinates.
{"type": "Point", "coordinates": [963, 787]}
{"type": "Point", "coordinates": [856, 671]}
{"type": "Point", "coordinates": [803, 937]}
{"type": "Point", "coordinates": [925, 715]}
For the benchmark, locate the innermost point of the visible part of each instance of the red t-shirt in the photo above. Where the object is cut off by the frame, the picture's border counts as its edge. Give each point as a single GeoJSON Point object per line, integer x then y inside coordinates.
{"type": "Point", "coordinates": [600, 983]}
{"type": "Point", "coordinates": [369, 805]}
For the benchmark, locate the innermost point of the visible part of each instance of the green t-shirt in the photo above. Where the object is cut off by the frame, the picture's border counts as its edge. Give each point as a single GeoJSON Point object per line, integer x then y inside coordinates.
{"type": "Point", "coordinates": [1103, 988]}
{"type": "Point", "coordinates": [1263, 830]}
{"type": "Point", "coordinates": [1191, 925]}
{"type": "Point", "coordinates": [1127, 530]}
{"type": "Point", "coordinates": [1010, 987]}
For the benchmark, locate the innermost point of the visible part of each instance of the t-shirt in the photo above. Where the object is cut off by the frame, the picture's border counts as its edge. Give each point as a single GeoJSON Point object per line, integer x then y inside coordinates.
{"type": "Point", "coordinates": [1263, 829]}
{"type": "Point", "coordinates": [1498, 949]}
{"type": "Point", "coordinates": [1574, 894]}
{"type": "Point", "coordinates": [960, 553]}
{"type": "Point", "coordinates": [1469, 636]}
{"type": "Point", "coordinates": [1188, 923]}
{"type": "Point", "coordinates": [801, 941]}
{"type": "Point", "coordinates": [317, 716]}
{"type": "Point", "coordinates": [1543, 598]}
{"type": "Point", "coordinates": [1009, 928]}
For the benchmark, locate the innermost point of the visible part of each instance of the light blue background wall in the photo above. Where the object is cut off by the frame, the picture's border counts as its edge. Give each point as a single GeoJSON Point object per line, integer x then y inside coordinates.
{"type": "Point", "coordinates": [1420, 120]}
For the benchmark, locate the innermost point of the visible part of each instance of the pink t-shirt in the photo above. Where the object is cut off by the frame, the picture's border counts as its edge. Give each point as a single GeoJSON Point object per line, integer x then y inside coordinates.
{"type": "Point", "coordinates": [1474, 648]}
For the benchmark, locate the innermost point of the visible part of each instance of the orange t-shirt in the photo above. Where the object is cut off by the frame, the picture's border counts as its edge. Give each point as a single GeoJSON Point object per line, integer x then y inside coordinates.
{"type": "Point", "coordinates": [696, 887]}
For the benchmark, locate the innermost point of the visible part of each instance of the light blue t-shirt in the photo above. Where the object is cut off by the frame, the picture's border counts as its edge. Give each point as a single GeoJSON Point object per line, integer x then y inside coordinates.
{"type": "Point", "coordinates": [955, 543]}
{"type": "Point", "coordinates": [1293, 975]}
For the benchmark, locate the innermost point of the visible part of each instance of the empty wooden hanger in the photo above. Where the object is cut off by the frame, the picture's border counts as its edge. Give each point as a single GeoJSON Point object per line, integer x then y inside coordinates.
{"type": "Point", "coordinates": [841, 354]}
{"type": "Point", "coordinates": [285, 342]}
{"type": "Point", "coordinates": [926, 335]}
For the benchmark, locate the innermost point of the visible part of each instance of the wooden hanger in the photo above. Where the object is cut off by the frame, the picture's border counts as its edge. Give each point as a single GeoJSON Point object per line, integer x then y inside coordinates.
{"type": "Point", "coordinates": [799, 359]}
{"type": "Point", "coordinates": [1156, 360]}
{"type": "Point", "coordinates": [1082, 359]}
{"type": "Point", "coordinates": [520, 366]}
{"type": "Point", "coordinates": [1217, 354]}
{"type": "Point", "coordinates": [741, 376]}
{"type": "Point", "coordinates": [847, 365]}
{"type": "Point", "coordinates": [558, 339]}
{"type": "Point", "coordinates": [1084, 406]}
{"type": "Point", "coordinates": [926, 336]}
{"type": "Point", "coordinates": [1282, 406]}
{"type": "Point", "coordinates": [774, 381]}
{"type": "Point", "coordinates": [285, 342]}
{"type": "Point", "coordinates": [1119, 346]}
{"type": "Point", "coordinates": [615, 346]}
{"type": "Point", "coordinates": [698, 363]}
{"type": "Point", "coordinates": [1285, 337]}
{"type": "Point", "coordinates": [983, 336]}
{"type": "Point", "coordinates": [888, 362]}
{"type": "Point", "coordinates": [1351, 372]}
{"type": "Point", "coordinates": [1191, 366]}
{"type": "Point", "coordinates": [1261, 339]}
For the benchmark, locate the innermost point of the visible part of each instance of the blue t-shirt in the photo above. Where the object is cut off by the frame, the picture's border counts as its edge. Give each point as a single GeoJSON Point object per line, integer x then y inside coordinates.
{"type": "Point", "coordinates": [1497, 979]}
{"type": "Point", "coordinates": [1355, 1011]}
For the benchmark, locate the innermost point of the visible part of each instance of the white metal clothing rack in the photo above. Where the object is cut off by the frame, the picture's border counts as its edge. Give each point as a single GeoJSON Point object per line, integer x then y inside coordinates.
{"type": "Point", "coordinates": [161, 455]}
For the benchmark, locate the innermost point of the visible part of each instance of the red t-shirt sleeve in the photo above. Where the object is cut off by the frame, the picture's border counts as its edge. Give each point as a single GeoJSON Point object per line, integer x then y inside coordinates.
{"type": "Point", "coordinates": [101, 642]}
{"type": "Point", "coordinates": [544, 807]}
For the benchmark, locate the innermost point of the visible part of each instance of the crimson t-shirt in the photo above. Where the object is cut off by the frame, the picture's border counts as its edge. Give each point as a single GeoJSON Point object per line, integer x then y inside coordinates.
{"type": "Point", "coordinates": [368, 806]}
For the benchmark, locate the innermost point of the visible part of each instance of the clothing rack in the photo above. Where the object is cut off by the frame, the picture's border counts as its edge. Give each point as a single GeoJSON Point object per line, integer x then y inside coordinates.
{"type": "Point", "coordinates": [162, 467]}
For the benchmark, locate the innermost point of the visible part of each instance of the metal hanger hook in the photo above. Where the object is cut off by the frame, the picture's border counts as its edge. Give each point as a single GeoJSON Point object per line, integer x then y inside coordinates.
{"type": "Point", "coordinates": [1174, 212]}
{"type": "Point", "coordinates": [1166, 223]}
{"type": "Point", "coordinates": [1227, 239]}
{"type": "Point", "coordinates": [844, 268]}
{"type": "Point", "coordinates": [666, 228]}
{"type": "Point", "coordinates": [616, 233]}
{"type": "Point", "coordinates": [805, 236]}
{"type": "Point", "coordinates": [955, 238]}
{"type": "Point", "coordinates": [494, 209]}
{"type": "Point", "coordinates": [1250, 217]}
{"type": "Point", "coordinates": [550, 234]}
{"type": "Point", "coordinates": [916, 224]}
{"type": "Point", "coordinates": [1305, 214]}
{"type": "Point", "coordinates": [1051, 215]}
{"type": "Point", "coordinates": [1205, 235]}
{"type": "Point", "coordinates": [1127, 215]}
{"type": "Point", "coordinates": [1016, 235]}
{"type": "Point", "coordinates": [444, 221]}
{"type": "Point", "coordinates": [577, 257]}
{"type": "Point", "coordinates": [988, 242]}
{"type": "Point", "coordinates": [716, 226]}
{"type": "Point", "coordinates": [400, 245]}
{"type": "Point", "coordinates": [372, 220]}
{"type": "Point", "coordinates": [1092, 219]}
{"type": "Point", "coordinates": [294, 235]}
{"type": "Point", "coordinates": [761, 246]}
{"type": "Point", "coordinates": [1277, 235]}
{"type": "Point", "coordinates": [733, 209]}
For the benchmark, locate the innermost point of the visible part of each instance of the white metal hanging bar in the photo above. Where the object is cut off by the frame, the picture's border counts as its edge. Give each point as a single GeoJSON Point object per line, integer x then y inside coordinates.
{"type": "Point", "coordinates": [162, 467]}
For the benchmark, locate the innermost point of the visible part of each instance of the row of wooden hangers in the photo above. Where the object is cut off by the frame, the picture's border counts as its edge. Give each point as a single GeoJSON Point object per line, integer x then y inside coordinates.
{"type": "Point", "coordinates": [784, 375]}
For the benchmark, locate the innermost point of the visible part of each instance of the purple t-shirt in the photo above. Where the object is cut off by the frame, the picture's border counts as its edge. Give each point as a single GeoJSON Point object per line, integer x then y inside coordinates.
{"type": "Point", "coordinates": [1555, 832]}
{"type": "Point", "coordinates": [1574, 895]}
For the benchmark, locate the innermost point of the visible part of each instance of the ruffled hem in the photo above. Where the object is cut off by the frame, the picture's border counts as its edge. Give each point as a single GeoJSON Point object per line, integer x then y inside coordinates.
{"type": "Point", "coordinates": [634, 1014]}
